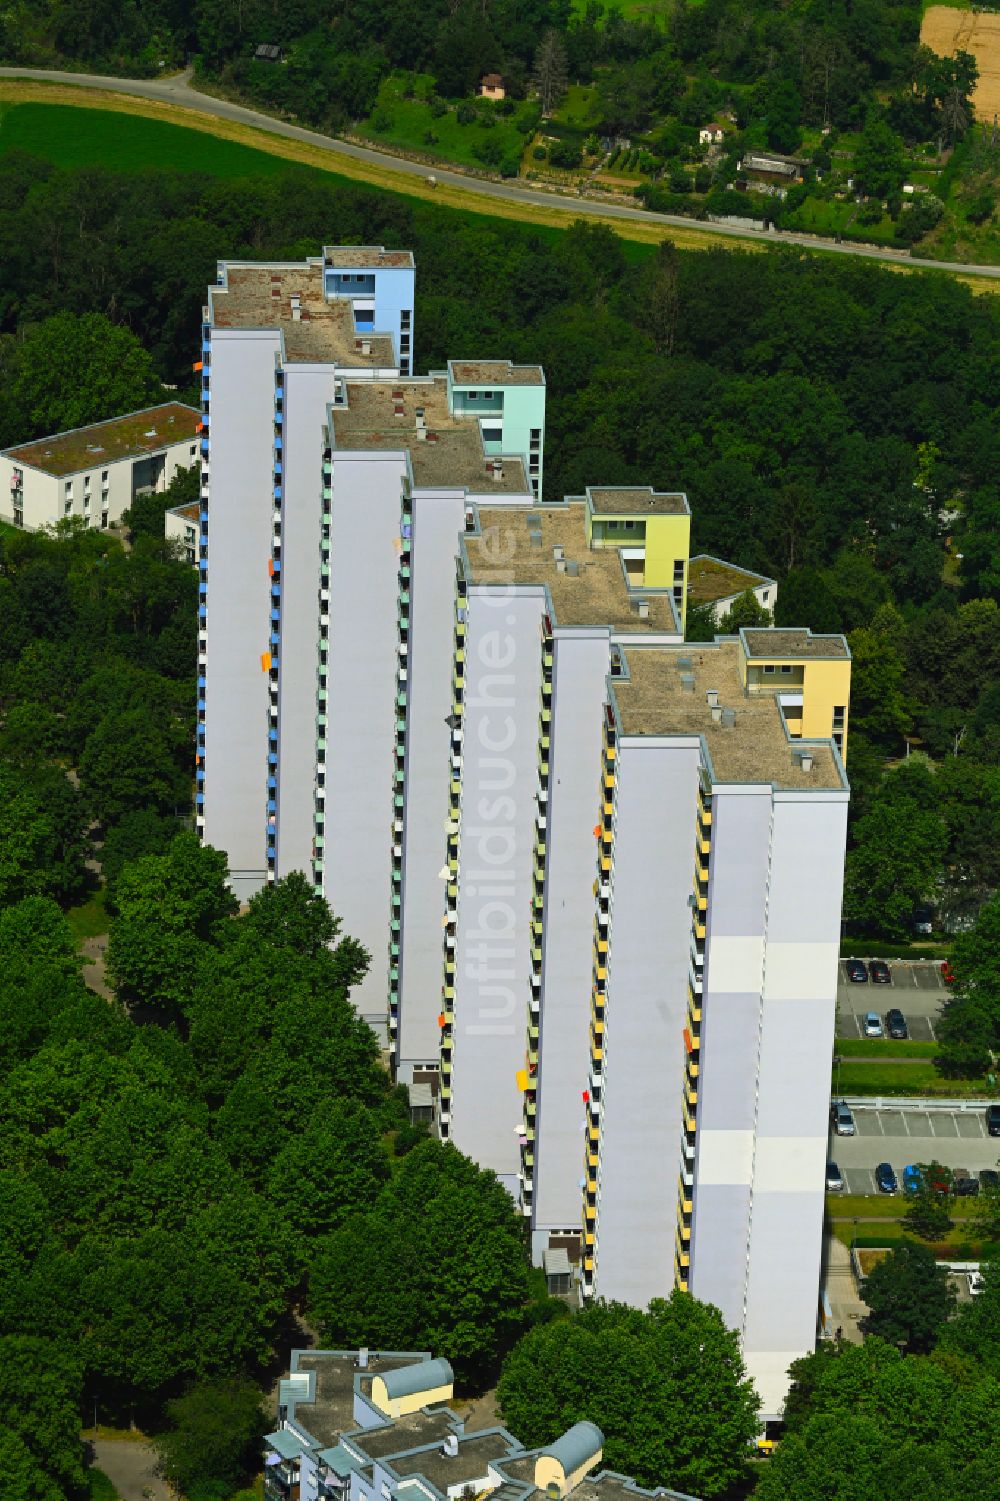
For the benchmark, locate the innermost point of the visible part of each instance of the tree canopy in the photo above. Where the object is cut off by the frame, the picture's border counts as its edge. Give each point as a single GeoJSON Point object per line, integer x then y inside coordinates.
{"type": "Point", "coordinates": [666, 1387]}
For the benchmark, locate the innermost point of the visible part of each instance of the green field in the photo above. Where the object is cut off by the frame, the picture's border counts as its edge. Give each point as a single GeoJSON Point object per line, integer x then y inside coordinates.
{"type": "Point", "coordinates": [882, 1047]}
{"type": "Point", "coordinates": [101, 1488]}
{"type": "Point", "coordinates": [72, 137]}
{"type": "Point", "coordinates": [853, 1078]}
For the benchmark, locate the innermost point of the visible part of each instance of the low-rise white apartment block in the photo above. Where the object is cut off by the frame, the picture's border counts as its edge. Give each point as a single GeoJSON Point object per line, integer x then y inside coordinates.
{"type": "Point", "coordinates": [367, 1425]}
{"type": "Point", "coordinates": [95, 473]}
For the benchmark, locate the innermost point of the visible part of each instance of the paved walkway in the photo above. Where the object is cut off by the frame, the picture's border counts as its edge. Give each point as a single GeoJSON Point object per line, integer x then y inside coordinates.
{"type": "Point", "coordinates": [846, 1307]}
{"type": "Point", "coordinates": [178, 90]}
{"type": "Point", "coordinates": [94, 951]}
{"type": "Point", "coordinates": [130, 1465]}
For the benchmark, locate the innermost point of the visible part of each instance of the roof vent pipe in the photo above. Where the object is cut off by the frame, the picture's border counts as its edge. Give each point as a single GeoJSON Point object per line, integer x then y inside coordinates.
{"type": "Point", "coordinates": [643, 609]}
{"type": "Point", "coordinates": [806, 761]}
{"type": "Point", "coordinates": [716, 714]}
{"type": "Point", "coordinates": [713, 697]}
{"type": "Point", "coordinates": [558, 552]}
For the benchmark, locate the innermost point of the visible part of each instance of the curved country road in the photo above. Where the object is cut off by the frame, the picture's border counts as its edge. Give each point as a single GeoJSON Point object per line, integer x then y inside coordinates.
{"type": "Point", "coordinates": [177, 90]}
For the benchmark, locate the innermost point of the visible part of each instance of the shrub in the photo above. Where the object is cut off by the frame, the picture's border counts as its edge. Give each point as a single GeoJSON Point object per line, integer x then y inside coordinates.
{"type": "Point", "coordinates": [981, 207]}
{"type": "Point", "coordinates": [539, 153]}
{"type": "Point", "coordinates": [465, 114]}
{"type": "Point", "coordinates": [565, 154]}
{"type": "Point", "coordinates": [431, 138]}
{"type": "Point", "coordinates": [438, 107]}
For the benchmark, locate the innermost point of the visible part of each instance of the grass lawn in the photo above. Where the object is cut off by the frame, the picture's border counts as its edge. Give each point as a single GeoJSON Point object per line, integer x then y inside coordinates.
{"type": "Point", "coordinates": [882, 1047]}
{"type": "Point", "coordinates": [579, 107]}
{"type": "Point", "coordinates": [910, 1079]}
{"type": "Point", "coordinates": [89, 919]}
{"type": "Point", "coordinates": [884, 1206]}
{"type": "Point", "coordinates": [396, 121]}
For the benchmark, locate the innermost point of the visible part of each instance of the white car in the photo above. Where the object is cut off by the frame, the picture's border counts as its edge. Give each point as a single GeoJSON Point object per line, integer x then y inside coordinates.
{"type": "Point", "coordinates": [975, 1283]}
{"type": "Point", "coordinates": [872, 1024]}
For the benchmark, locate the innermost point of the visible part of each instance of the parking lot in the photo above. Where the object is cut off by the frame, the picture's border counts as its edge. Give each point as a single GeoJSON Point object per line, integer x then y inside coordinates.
{"type": "Point", "coordinates": [956, 1138]}
{"type": "Point", "coordinates": [916, 988]}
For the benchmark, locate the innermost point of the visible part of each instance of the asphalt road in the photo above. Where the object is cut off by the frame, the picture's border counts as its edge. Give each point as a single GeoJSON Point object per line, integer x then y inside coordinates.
{"type": "Point", "coordinates": [177, 90]}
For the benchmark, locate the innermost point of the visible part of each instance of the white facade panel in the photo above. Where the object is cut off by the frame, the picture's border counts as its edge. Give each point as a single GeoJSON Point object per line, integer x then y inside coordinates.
{"type": "Point", "coordinates": [239, 541]}
{"type": "Point", "coordinates": [493, 941]}
{"type": "Point", "coordinates": [580, 668]}
{"type": "Point", "coordinates": [361, 692]}
{"type": "Point", "coordinates": [437, 520]}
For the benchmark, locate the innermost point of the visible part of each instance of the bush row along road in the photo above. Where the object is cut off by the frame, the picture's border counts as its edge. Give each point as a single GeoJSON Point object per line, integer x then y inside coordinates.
{"type": "Point", "coordinates": [176, 90]}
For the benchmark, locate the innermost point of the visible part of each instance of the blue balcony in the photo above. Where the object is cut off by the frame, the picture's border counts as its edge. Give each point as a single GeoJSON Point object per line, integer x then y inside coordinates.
{"type": "Point", "coordinates": [204, 448]}
{"type": "Point", "coordinates": [272, 784]}
{"type": "Point", "coordinates": [277, 492]}
{"type": "Point", "coordinates": [279, 416]}
{"type": "Point", "coordinates": [275, 640]}
{"type": "Point", "coordinates": [277, 444]}
{"type": "Point", "coordinates": [200, 706]}
{"type": "Point", "coordinates": [202, 587]}
{"type": "Point", "coordinates": [277, 468]}
{"type": "Point", "coordinates": [203, 565]}
{"type": "Point", "coordinates": [272, 759]}
{"type": "Point", "coordinates": [202, 681]}
{"type": "Point", "coordinates": [272, 806]}
{"type": "Point", "coordinates": [199, 798]}
{"type": "Point", "coordinates": [202, 612]}
{"type": "Point", "coordinates": [275, 617]}
{"type": "Point", "coordinates": [199, 773]}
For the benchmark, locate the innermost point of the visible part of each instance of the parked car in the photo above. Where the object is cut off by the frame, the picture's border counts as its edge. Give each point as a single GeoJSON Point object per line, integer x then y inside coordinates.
{"type": "Point", "coordinates": [895, 1024]}
{"type": "Point", "coordinates": [843, 1120]}
{"type": "Point", "coordinates": [880, 972]}
{"type": "Point", "coordinates": [947, 973]}
{"type": "Point", "coordinates": [975, 1283]}
{"type": "Point", "coordinates": [834, 1180]}
{"type": "Point", "coordinates": [912, 1179]}
{"type": "Point", "coordinates": [963, 1184]}
{"type": "Point", "coordinates": [989, 1180]}
{"type": "Point", "coordinates": [856, 971]}
{"type": "Point", "coordinates": [872, 1024]}
{"type": "Point", "coordinates": [993, 1120]}
{"type": "Point", "coordinates": [885, 1179]}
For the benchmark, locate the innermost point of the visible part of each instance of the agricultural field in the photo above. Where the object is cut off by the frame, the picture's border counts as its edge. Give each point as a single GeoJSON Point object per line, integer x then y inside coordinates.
{"type": "Point", "coordinates": [946, 30]}
{"type": "Point", "coordinates": [93, 137]}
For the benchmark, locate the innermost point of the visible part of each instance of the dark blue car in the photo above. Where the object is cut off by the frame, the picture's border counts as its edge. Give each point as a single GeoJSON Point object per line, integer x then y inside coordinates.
{"type": "Point", "coordinates": [885, 1179]}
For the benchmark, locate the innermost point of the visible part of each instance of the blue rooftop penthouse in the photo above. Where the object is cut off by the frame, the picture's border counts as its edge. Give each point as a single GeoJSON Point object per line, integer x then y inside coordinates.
{"type": "Point", "coordinates": [379, 284]}
{"type": "Point", "coordinates": [364, 1425]}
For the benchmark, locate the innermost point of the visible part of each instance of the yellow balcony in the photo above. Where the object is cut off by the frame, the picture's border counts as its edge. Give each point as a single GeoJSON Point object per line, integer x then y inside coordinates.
{"type": "Point", "coordinates": [690, 1096]}
{"type": "Point", "coordinates": [705, 815]}
{"type": "Point", "coordinates": [689, 1120]}
{"type": "Point", "coordinates": [699, 931]}
{"type": "Point", "coordinates": [686, 1206]}
{"type": "Point", "coordinates": [592, 1159]}
{"type": "Point", "coordinates": [596, 1054]}
{"type": "Point", "coordinates": [609, 781]}
{"type": "Point", "coordinates": [589, 1238]}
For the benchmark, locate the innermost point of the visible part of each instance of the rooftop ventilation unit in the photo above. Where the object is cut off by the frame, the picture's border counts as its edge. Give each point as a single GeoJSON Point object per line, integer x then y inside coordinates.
{"type": "Point", "coordinates": [712, 695]}
{"type": "Point", "coordinates": [572, 569]}
{"type": "Point", "coordinates": [685, 664]}
{"type": "Point", "coordinates": [642, 606]}
{"type": "Point", "coordinates": [716, 714]}
{"type": "Point", "coordinates": [449, 1447]}
{"type": "Point", "coordinates": [687, 682]}
{"type": "Point", "coordinates": [728, 718]}
{"type": "Point", "coordinates": [558, 552]}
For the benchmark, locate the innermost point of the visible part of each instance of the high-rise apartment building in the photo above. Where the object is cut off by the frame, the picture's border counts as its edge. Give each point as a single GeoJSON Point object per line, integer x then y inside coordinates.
{"type": "Point", "coordinates": [598, 870]}
{"type": "Point", "coordinates": [334, 487]}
